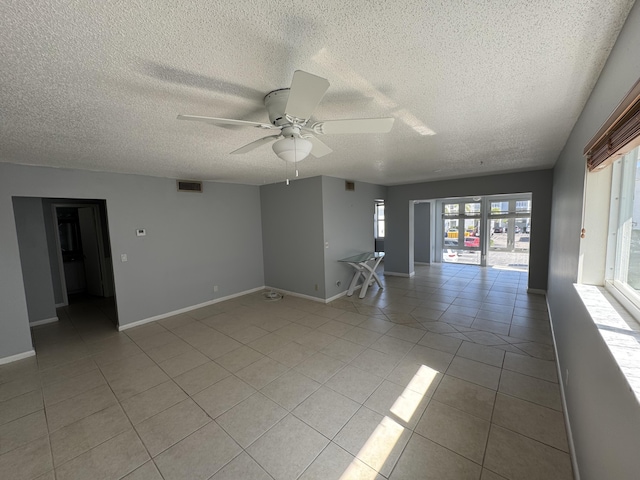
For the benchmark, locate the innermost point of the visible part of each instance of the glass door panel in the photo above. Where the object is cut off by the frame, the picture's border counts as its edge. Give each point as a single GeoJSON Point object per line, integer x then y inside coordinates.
{"type": "Point", "coordinates": [509, 225]}
{"type": "Point", "coordinates": [451, 233]}
{"type": "Point", "coordinates": [461, 232]}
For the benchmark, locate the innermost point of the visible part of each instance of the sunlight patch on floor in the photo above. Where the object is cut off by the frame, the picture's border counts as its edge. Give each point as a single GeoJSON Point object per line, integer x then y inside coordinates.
{"type": "Point", "coordinates": [381, 443]}
{"type": "Point", "coordinates": [407, 403]}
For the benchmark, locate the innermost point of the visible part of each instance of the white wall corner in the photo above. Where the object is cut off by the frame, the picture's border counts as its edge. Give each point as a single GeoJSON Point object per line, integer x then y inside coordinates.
{"type": "Point", "coordinates": [339, 295]}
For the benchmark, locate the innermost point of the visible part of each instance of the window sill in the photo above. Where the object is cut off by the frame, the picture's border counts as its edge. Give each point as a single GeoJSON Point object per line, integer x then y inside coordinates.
{"type": "Point", "coordinates": [619, 330]}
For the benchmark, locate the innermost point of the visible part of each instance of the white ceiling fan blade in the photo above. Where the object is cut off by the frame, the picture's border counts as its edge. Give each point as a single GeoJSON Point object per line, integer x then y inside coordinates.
{"type": "Point", "coordinates": [356, 125]}
{"type": "Point", "coordinates": [255, 144]}
{"type": "Point", "coordinates": [225, 121]}
{"type": "Point", "coordinates": [305, 94]}
{"type": "Point", "coordinates": [319, 148]}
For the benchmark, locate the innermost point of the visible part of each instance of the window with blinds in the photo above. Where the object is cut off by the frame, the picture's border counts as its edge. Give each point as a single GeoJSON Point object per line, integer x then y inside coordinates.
{"type": "Point", "coordinates": [619, 135]}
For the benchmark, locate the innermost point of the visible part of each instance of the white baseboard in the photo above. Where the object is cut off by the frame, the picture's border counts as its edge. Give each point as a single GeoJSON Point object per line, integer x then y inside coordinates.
{"type": "Point", "coordinates": [296, 294]}
{"type": "Point", "coordinates": [536, 291]}
{"type": "Point", "coordinates": [422, 263]}
{"type": "Point", "coordinates": [187, 309]}
{"type": "Point", "coordinates": [19, 356]}
{"type": "Point", "coordinates": [43, 322]}
{"type": "Point", "coordinates": [340, 295]}
{"type": "Point", "coordinates": [398, 274]}
{"type": "Point", "coordinates": [315, 299]}
{"type": "Point", "coordinates": [563, 398]}
{"type": "Point", "coordinates": [63, 304]}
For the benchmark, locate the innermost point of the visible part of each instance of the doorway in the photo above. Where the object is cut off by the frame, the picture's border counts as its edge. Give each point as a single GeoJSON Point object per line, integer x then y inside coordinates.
{"type": "Point", "coordinates": [488, 231]}
{"type": "Point", "coordinates": [81, 234]}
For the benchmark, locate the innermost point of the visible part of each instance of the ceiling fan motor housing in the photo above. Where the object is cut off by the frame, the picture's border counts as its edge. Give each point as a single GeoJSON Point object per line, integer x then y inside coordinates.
{"type": "Point", "coordinates": [275, 102]}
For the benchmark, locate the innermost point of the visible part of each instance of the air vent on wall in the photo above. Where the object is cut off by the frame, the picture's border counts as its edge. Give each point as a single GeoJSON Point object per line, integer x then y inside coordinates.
{"type": "Point", "coordinates": [349, 186]}
{"type": "Point", "coordinates": [189, 186]}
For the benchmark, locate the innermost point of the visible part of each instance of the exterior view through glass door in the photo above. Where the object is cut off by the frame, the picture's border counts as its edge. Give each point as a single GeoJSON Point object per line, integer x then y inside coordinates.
{"type": "Point", "coordinates": [509, 228]}
{"type": "Point", "coordinates": [461, 220]}
{"type": "Point", "coordinates": [487, 231]}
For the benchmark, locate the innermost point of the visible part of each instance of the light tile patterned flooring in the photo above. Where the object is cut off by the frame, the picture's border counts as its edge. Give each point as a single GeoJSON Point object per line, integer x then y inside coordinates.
{"type": "Point", "coordinates": [446, 375]}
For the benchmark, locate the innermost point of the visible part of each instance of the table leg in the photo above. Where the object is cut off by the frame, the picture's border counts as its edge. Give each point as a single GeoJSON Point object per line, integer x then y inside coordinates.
{"type": "Point", "coordinates": [367, 279]}
{"type": "Point", "coordinates": [375, 275]}
{"type": "Point", "coordinates": [354, 280]}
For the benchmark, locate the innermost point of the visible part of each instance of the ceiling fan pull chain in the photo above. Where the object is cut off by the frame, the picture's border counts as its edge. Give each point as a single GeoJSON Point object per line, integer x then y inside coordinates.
{"type": "Point", "coordinates": [295, 163]}
{"type": "Point", "coordinates": [286, 173]}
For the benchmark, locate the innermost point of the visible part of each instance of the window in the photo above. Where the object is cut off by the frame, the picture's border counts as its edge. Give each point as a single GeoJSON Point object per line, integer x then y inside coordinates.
{"type": "Point", "coordinates": [378, 220]}
{"type": "Point", "coordinates": [612, 198]}
{"type": "Point", "coordinates": [624, 231]}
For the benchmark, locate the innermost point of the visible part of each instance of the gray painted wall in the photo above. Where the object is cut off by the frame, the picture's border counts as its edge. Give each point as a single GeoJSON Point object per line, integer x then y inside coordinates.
{"type": "Point", "coordinates": [194, 241]}
{"type": "Point", "coordinates": [422, 231]}
{"type": "Point", "coordinates": [348, 228]}
{"type": "Point", "coordinates": [604, 414]}
{"type": "Point", "coordinates": [34, 258]}
{"type": "Point", "coordinates": [292, 236]}
{"type": "Point", "coordinates": [398, 212]}
{"type": "Point", "coordinates": [297, 222]}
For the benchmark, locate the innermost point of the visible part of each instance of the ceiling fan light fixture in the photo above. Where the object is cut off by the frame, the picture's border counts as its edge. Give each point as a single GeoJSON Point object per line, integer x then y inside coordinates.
{"type": "Point", "coordinates": [292, 149]}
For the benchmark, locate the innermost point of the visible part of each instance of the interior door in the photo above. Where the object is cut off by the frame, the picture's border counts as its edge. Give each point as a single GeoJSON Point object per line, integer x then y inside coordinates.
{"type": "Point", "coordinates": [90, 250]}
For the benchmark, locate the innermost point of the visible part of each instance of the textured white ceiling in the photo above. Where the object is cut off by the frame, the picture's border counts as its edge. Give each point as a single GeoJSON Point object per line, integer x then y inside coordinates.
{"type": "Point", "coordinates": [97, 85]}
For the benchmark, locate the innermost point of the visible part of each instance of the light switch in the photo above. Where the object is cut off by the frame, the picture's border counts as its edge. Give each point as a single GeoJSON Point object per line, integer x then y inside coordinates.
{"type": "Point", "coordinates": [123, 257]}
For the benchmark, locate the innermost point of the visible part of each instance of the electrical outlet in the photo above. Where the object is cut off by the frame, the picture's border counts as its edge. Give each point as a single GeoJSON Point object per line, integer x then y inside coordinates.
{"type": "Point", "coordinates": [123, 257]}
{"type": "Point", "coordinates": [316, 287]}
{"type": "Point", "coordinates": [215, 288]}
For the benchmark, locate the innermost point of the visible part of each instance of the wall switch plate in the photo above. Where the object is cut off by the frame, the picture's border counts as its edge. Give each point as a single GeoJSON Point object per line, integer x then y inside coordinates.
{"type": "Point", "coordinates": [140, 232]}
{"type": "Point", "coordinates": [215, 288]}
{"type": "Point", "coordinates": [123, 257]}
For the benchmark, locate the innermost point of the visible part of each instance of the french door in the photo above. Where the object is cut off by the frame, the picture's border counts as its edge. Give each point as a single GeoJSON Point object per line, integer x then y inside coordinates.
{"type": "Point", "coordinates": [491, 230]}
{"type": "Point", "coordinates": [509, 229]}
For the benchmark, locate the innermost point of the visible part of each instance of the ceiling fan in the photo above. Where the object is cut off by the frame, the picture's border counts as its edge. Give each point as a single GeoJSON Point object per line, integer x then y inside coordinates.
{"type": "Point", "coordinates": [289, 111]}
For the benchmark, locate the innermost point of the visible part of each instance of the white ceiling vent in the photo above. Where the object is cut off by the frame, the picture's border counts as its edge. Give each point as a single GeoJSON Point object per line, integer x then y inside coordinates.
{"type": "Point", "coordinates": [189, 186]}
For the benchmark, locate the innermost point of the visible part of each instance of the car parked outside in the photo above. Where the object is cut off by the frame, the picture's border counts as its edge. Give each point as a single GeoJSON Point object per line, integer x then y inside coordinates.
{"type": "Point", "coordinates": [450, 242]}
{"type": "Point", "coordinates": [472, 242]}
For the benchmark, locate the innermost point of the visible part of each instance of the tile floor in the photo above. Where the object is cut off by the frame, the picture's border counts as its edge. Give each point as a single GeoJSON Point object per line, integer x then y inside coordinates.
{"type": "Point", "coordinates": [446, 375]}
